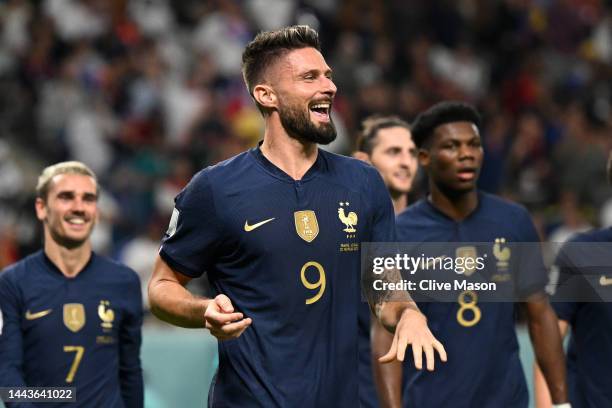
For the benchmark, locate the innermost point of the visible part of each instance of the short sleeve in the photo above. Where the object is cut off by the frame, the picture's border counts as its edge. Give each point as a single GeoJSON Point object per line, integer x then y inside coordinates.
{"type": "Point", "coordinates": [383, 220]}
{"type": "Point", "coordinates": [190, 244]}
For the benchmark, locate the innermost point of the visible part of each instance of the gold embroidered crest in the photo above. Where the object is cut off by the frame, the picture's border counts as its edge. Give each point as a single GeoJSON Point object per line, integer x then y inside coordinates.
{"type": "Point", "coordinates": [106, 314]}
{"type": "Point", "coordinates": [306, 225]}
{"type": "Point", "coordinates": [467, 252]}
{"type": "Point", "coordinates": [501, 252]}
{"type": "Point", "coordinates": [74, 316]}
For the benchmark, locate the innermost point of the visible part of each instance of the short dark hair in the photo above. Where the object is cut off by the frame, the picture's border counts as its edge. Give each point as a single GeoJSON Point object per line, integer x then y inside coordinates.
{"type": "Point", "coordinates": [370, 127]}
{"type": "Point", "coordinates": [267, 46]}
{"type": "Point", "coordinates": [440, 114]}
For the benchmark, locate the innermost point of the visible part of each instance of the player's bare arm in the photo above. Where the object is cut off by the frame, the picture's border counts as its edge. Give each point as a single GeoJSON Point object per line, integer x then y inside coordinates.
{"type": "Point", "coordinates": [399, 314]}
{"type": "Point", "coordinates": [172, 302]}
{"type": "Point", "coordinates": [388, 377]}
{"type": "Point", "coordinates": [540, 389]}
{"type": "Point", "coordinates": [546, 340]}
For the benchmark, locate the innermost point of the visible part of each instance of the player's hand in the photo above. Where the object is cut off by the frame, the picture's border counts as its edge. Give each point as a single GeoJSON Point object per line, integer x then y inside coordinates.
{"type": "Point", "coordinates": [221, 320]}
{"type": "Point", "coordinates": [412, 330]}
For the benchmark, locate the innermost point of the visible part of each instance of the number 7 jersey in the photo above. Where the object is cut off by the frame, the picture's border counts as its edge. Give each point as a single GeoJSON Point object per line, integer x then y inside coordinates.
{"type": "Point", "coordinates": [287, 254]}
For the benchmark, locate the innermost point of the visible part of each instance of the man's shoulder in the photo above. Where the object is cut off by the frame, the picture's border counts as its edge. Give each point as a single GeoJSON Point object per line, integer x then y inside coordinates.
{"type": "Point", "coordinates": [595, 235]}
{"type": "Point", "coordinates": [115, 269]}
{"type": "Point", "coordinates": [348, 169]}
{"type": "Point", "coordinates": [21, 267]}
{"type": "Point", "coordinates": [495, 204]}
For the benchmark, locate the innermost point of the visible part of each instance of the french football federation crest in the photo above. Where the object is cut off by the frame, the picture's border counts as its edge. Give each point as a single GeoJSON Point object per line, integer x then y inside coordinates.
{"type": "Point", "coordinates": [306, 225]}
{"type": "Point", "coordinates": [74, 316]}
{"type": "Point", "coordinates": [349, 220]}
{"type": "Point", "coordinates": [501, 253]}
{"type": "Point", "coordinates": [106, 314]}
{"type": "Point", "coordinates": [467, 252]}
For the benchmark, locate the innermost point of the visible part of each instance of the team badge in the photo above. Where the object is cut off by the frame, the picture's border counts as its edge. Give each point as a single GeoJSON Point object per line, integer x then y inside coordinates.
{"type": "Point", "coordinates": [349, 220]}
{"type": "Point", "coordinates": [501, 252]}
{"type": "Point", "coordinates": [106, 314]}
{"type": "Point", "coordinates": [306, 225]}
{"type": "Point", "coordinates": [74, 316]}
{"type": "Point", "coordinates": [467, 252]}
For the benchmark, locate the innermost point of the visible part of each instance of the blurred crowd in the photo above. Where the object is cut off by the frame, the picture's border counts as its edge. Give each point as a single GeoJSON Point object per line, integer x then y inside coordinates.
{"type": "Point", "coordinates": [147, 92]}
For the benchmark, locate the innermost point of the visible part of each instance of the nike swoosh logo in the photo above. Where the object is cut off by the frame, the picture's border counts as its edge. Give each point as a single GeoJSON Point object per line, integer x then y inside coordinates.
{"type": "Point", "coordinates": [249, 228]}
{"type": "Point", "coordinates": [37, 315]}
{"type": "Point", "coordinates": [603, 281]}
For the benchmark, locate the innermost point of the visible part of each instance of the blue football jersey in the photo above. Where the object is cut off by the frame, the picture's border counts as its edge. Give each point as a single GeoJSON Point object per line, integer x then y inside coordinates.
{"type": "Point", "coordinates": [287, 254]}
{"type": "Point", "coordinates": [483, 368]}
{"type": "Point", "coordinates": [589, 356]}
{"type": "Point", "coordinates": [82, 332]}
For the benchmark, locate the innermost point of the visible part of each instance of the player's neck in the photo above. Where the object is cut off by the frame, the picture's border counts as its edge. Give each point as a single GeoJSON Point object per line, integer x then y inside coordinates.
{"type": "Point", "coordinates": [400, 202]}
{"type": "Point", "coordinates": [292, 156]}
{"type": "Point", "coordinates": [456, 205]}
{"type": "Point", "coordinates": [70, 261]}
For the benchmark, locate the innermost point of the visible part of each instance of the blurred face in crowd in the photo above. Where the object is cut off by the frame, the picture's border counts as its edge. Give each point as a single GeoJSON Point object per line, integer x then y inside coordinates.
{"type": "Point", "coordinates": [305, 91]}
{"type": "Point", "coordinates": [70, 209]}
{"type": "Point", "coordinates": [453, 157]}
{"type": "Point", "coordinates": [395, 157]}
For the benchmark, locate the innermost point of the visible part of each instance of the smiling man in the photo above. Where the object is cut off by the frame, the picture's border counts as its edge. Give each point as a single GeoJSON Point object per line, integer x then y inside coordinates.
{"type": "Point", "coordinates": [483, 369]}
{"type": "Point", "coordinates": [71, 318]}
{"type": "Point", "coordinates": [278, 229]}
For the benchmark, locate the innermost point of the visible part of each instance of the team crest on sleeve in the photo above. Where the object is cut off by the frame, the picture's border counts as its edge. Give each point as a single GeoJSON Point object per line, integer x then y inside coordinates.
{"type": "Point", "coordinates": [74, 316]}
{"type": "Point", "coordinates": [106, 314]}
{"type": "Point", "coordinates": [173, 222]}
{"type": "Point", "coordinates": [306, 225]}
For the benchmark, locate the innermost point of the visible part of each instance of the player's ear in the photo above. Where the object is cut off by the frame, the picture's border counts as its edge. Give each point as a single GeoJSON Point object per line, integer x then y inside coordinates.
{"type": "Point", "coordinates": [424, 157]}
{"type": "Point", "coordinates": [265, 96]}
{"type": "Point", "coordinates": [363, 156]}
{"type": "Point", "coordinates": [41, 209]}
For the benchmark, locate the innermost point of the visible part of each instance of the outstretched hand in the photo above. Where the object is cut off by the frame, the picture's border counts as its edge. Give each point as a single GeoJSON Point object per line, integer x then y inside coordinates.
{"type": "Point", "coordinates": [412, 330]}
{"type": "Point", "coordinates": [221, 320]}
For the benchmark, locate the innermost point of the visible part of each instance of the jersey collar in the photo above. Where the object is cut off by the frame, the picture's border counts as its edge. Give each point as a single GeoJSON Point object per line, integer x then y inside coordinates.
{"type": "Point", "coordinates": [318, 166]}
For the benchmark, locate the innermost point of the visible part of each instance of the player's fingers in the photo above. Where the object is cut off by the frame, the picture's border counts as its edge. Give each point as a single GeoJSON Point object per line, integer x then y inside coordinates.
{"type": "Point", "coordinates": [429, 357]}
{"type": "Point", "coordinates": [402, 344]}
{"type": "Point", "coordinates": [391, 354]}
{"type": "Point", "coordinates": [224, 303]}
{"type": "Point", "coordinates": [417, 354]}
{"type": "Point", "coordinates": [219, 319]}
{"type": "Point", "coordinates": [440, 349]}
{"type": "Point", "coordinates": [234, 328]}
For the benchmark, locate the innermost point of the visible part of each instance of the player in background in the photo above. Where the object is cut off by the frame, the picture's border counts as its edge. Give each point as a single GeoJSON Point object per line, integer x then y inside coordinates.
{"type": "Point", "coordinates": [386, 143]}
{"type": "Point", "coordinates": [71, 318]}
{"type": "Point", "coordinates": [278, 230]}
{"type": "Point", "coordinates": [589, 355]}
{"type": "Point", "coordinates": [483, 368]}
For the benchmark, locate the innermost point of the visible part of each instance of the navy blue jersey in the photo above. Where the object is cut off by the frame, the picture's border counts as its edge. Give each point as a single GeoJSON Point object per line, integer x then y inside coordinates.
{"type": "Point", "coordinates": [483, 368]}
{"type": "Point", "coordinates": [287, 254]}
{"type": "Point", "coordinates": [589, 356]}
{"type": "Point", "coordinates": [82, 332]}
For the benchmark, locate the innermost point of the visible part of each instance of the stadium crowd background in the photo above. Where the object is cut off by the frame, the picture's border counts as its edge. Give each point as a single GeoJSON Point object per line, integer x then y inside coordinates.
{"type": "Point", "coordinates": [147, 92]}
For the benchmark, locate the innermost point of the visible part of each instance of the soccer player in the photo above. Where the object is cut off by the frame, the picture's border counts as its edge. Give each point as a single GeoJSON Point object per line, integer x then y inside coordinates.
{"type": "Point", "coordinates": [589, 356]}
{"type": "Point", "coordinates": [483, 368]}
{"type": "Point", "coordinates": [386, 143]}
{"type": "Point", "coordinates": [278, 230]}
{"type": "Point", "coordinates": [71, 318]}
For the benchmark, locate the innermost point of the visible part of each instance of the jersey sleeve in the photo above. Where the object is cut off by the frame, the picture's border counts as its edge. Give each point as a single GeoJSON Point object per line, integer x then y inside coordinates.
{"type": "Point", "coordinates": [383, 220]}
{"type": "Point", "coordinates": [531, 275]}
{"type": "Point", "coordinates": [565, 285]}
{"type": "Point", "coordinates": [11, 344]}
{"type": "Point", "coordinates": [130, 370]}
{"type": "Point", "coordinates": [190, 243]}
